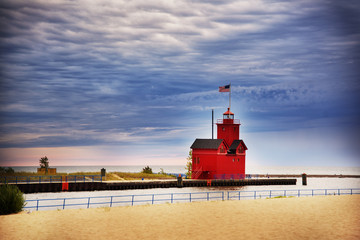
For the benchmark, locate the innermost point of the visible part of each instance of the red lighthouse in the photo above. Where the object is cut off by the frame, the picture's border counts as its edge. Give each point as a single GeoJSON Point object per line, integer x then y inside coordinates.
{"type": "Point", "coordinates": [221, 158]}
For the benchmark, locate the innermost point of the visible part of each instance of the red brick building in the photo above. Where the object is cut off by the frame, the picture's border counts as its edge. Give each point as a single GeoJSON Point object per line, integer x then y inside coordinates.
{"type": "Point", "coordinates": [221, 158]}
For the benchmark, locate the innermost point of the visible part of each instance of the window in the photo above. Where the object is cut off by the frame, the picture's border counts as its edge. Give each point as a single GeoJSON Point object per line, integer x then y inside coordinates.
{"type": "Point", "coordinates": [228, 116]}
{"type": "Point", "coordinates": [223, 129]}
{"type": "Point", "coordinates": [241, 149]}
{"type": "Point", "coordinates": [222, 149]}
{"type": "Point", "coordinates": [233, 159]}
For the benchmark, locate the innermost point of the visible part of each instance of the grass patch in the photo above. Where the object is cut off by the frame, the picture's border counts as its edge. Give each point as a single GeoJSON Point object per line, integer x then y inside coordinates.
{"type": "Point", "coordinates": [111, 176]}
{"type": "Point", "coordinates": [137, 176]}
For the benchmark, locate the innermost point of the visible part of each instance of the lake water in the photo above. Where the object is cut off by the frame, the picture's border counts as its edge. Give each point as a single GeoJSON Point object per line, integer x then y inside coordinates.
{"type": "Point", "coordinates": [312, 183]}
{"type": "Point", "coordinates": [102, 198]}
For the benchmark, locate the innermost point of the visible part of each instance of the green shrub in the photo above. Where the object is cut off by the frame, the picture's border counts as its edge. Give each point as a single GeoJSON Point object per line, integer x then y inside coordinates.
{"type": "Point", "coordinates": [11, 199]}
{"type": "Point", "coordinates": [188, 167]}
{"type": "Point", "coordinates": [4, 170]}
{"type": "Point", "coordinates": [147, 169]}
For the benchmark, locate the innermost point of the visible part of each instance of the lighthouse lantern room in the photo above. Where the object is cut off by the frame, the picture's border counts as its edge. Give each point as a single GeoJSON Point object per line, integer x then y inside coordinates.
{"type": "Point", "coordinates": [221, 158]}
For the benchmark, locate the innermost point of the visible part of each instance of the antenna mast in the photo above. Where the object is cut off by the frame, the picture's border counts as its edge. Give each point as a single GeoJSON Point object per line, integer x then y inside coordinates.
{"type": "Point", "coordinates": [212, 123]}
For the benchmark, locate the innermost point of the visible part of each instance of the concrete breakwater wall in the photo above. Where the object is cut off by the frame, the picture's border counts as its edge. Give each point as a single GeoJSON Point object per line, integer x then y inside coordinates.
{"type": "Point", "coordinates": [98, 186]}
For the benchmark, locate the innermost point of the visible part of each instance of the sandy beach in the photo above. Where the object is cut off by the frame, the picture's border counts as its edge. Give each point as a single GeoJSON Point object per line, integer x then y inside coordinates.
{"type": "Point", "coordinates": [321, 217]}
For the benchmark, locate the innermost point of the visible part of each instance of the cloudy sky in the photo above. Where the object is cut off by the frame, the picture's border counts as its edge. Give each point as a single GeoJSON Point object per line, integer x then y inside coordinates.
{"type": "Point", "coordinates": [133, 82]}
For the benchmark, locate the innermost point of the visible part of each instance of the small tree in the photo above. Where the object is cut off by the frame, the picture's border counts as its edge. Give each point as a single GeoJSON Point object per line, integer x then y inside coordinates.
{"type": "Point", "coordinates": [147, 169]}
{"type": "Point", "coordinates": [44, 163]}
{"type": "Point", "coordinates": [189, 165]}
{"type": "Point", "coordinates": [162, 172]}
{"type": "Point", "coordinates": [4, 170]}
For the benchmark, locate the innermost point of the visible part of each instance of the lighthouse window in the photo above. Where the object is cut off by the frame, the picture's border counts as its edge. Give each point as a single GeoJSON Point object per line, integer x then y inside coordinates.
{"type": "Point", "coordinates": [223, 129]}
{"type": "Point", "coordinates": [229, 116]}
{"type": "Point", "coordinates": [241, 149]}
{"type": "Point", "coordinates": [222, 150]}
{"type": "Point", "coordinates": [233, 159]}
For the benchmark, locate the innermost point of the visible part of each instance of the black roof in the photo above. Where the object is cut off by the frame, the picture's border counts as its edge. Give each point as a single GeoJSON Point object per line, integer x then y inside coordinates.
{"type": "Point", "coordinates": [206, 143]}
{"type": "Point", "coordinates": [234, 145]}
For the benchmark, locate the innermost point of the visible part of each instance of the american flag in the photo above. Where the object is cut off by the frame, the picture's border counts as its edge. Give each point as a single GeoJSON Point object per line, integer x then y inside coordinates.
{"type": "Point", "coordinates": [225, 88]}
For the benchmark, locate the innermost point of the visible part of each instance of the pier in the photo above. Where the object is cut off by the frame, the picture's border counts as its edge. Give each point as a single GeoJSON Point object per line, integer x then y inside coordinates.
{"type": "Point", "coordinates": [127, 185]}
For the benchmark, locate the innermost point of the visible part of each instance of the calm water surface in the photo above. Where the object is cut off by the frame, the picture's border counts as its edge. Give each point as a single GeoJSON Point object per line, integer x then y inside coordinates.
{"type": "Point", "coordinates": [312, 183]}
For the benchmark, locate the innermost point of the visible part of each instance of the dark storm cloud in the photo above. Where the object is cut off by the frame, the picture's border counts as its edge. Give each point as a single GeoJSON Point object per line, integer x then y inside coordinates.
{"type": "Point", "coordinates": [120, 72]}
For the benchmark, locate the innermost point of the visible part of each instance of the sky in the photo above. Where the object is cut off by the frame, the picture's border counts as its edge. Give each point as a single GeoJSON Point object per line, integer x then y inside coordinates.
{"type": "Point", "coordinates": [134, 82]}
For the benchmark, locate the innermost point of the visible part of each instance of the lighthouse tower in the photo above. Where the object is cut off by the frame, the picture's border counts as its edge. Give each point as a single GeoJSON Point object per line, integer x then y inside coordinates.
{"type": "Point", "coordinates": [221, 158]}
{"type": "Point", "coordinates": [228, 128]}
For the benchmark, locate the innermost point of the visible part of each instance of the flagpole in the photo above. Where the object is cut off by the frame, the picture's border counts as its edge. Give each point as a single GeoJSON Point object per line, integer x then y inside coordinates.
{"type": "Point", "coordinates": [230, 96]}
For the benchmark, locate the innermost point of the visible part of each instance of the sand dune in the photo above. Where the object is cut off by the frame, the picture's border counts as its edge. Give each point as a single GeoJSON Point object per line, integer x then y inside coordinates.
{"type": "Point", "coordinates": [322, 217]}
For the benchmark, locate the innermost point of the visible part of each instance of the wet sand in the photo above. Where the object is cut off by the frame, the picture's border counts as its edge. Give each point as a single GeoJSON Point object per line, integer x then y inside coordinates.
{"type": "Point", "coordinates": [321, 217]}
